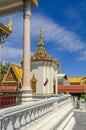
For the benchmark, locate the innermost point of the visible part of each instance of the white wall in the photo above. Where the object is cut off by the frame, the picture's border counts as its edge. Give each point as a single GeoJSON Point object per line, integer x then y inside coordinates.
{"type": "Point", "coordinates": [43, 70]}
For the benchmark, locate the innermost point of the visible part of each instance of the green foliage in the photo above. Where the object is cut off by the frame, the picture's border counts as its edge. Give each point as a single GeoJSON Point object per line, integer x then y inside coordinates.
{"type": "Point", "coordinates": [83, 96]}
{"type": "Point", "coordinates": [3, 70]}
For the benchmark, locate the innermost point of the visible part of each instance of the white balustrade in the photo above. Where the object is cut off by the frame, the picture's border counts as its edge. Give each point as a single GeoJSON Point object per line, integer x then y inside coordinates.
{"type": "Point", "coordinates": [19, 117]}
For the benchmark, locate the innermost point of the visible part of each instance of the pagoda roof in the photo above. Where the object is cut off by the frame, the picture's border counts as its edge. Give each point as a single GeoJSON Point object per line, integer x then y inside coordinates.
{"type": "Point", "coordinates": [41, 54]}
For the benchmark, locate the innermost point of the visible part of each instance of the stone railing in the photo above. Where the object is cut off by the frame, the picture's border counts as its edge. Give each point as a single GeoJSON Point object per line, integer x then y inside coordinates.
{"type": "Point", "coordinates": [38, 97]}
{"type": "Point", "coordinates": [8, 99]}
{"type": "Point", "coordinates": [29, 116]}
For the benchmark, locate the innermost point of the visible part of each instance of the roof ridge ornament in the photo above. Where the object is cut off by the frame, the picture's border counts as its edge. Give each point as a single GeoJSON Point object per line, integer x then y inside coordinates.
{"type": "Point", "coordinates": [10, 23]}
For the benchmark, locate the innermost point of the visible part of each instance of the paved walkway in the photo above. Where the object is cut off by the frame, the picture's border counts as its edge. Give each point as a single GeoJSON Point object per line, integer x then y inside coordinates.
{"type": "Point", "coordinates": [80, 118]}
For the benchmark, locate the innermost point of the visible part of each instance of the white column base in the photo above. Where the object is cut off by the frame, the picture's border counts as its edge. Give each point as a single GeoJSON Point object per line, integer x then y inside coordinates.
{"type": "Point", "coordinates": [26, 96]}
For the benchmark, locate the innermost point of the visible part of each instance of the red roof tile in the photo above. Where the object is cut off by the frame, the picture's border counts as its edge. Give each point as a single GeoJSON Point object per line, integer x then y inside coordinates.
{"type": "Point", "coordinates": [7, 88]}
{"type": "Point", "coordinates": [72, 88]}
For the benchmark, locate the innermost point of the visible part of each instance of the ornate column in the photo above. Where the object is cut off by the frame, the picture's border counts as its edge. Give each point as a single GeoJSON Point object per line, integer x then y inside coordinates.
{"type": "Point", "coordinates": [26, 88]}
{"type": "Point", "coordinates": [26, 48]}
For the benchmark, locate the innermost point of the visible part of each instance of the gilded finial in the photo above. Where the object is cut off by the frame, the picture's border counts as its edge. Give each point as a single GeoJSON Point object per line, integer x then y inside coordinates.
{"type": "Point", "coordinates": [10, 23]}
{"type": "Point", "coordinates": [40, 38]}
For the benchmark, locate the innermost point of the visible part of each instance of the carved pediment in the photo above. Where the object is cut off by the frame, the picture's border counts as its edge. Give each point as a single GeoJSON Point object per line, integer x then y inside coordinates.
{"type": "Point", "coordinates": [11, 76]}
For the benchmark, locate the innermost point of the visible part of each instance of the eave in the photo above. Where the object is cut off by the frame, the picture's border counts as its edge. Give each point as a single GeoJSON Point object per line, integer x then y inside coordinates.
{"type": "Point", "coordinates": [10, 6]}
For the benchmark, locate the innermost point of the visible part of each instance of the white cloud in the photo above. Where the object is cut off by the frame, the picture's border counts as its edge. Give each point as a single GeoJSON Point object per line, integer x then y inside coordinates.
{"type": "Point", "coordinates": [56, 34]}
{"type": "Point", "coordinates": [52, 32]}
{"type": "Point", "coordinates": [9, 52]}
{"type": "Point", "coordinates": [82, 56]}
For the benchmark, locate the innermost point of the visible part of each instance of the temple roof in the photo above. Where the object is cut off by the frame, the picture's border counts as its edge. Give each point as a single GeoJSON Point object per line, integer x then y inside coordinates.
{"type": "Point", "coordinates": [41, 53]}
{"type": "Point", "coordinates": [78, 79]}
{"type": "Point", "coordinates": [17, 72]}
{"type": "Point", "coordinates": [6, 29]}
{"type": "Point", "coordinates": [72, 88]}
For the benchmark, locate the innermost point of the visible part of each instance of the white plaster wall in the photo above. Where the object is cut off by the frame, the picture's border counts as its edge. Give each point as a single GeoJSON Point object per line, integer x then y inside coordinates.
{"type": "Point", "coordinates": [48, 84]}
{"type": "Point", "coordinates": [52, 76]}
{"type": "Point", "coordinates": [39, 76]}
{"type": "Point", "coordinates": [37, 69]}
{"type": "Point", "coordinates": [44, 78]}
{"type": "Point", "coordinates": [46, 75]}
{"type": "Point", "coordinates": [49, 72]}
{"type": "Point", "coordinates": [56, 74]}
{"type": "Point", "coordinates": [49, 75]}
{"type": "Point", "coordinates": [42, 71]}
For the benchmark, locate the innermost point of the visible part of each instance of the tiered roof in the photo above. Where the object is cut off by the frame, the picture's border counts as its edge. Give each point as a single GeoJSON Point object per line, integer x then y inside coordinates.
{"type": "Point", "coordinates": [41, 54]}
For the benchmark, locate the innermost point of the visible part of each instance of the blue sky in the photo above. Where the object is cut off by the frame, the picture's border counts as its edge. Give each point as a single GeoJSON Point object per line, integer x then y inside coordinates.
{"type": "Point", "coordinates": [64, 34]}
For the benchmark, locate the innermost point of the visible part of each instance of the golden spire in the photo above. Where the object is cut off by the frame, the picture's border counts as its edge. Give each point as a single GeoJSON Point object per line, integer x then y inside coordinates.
{"type": "Point", "coordinates": [41, 53]}
{"type": "Point", "coordinates": [40, 38]}
{"type": "Point", "coordinates": [10, 23]}
{"type": "Point", "coordinates": [40, 35]}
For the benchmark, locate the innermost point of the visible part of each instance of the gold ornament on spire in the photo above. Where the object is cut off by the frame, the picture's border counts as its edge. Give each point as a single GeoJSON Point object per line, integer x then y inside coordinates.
{"type": "Point", "coordinates": [40, 38]}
